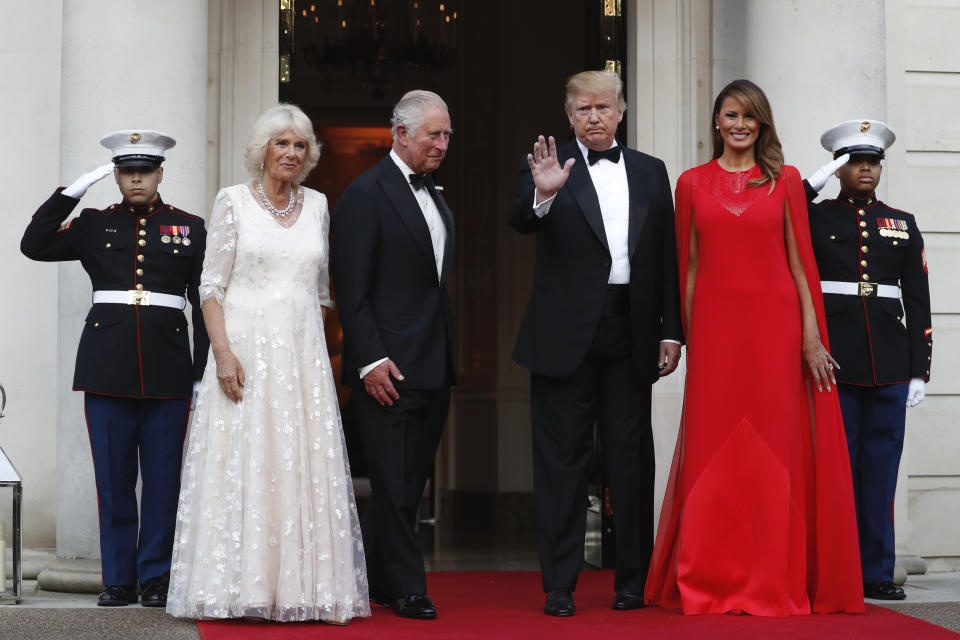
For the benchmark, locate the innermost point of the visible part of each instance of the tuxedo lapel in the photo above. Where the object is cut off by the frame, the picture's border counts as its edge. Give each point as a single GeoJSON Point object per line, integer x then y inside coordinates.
{"type": "Point", "coordinates": [638, 201]}
{"type": "Point", "coordinates": [581, 186]}
{"type": "Point", "coordinates": [447, 216]}
{"type": "Point", "coordinates": [406, 207]}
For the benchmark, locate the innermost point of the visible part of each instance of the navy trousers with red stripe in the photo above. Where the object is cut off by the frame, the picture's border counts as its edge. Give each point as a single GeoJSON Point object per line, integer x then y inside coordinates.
{"type": "Point", "coordinates": [128, 435]}
{"type": "Point", "coordinates": [874, 418]}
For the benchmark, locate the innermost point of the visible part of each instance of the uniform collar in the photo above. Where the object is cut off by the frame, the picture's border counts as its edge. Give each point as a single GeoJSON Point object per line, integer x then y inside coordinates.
{"type": "Point", "coordinates": [144, 210]}
{"type": "Point", "coordinates": [857, 201]}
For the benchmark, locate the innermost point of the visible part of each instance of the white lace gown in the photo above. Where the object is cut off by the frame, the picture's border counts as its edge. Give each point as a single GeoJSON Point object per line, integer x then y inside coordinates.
{"type": "Point", "coordinates": [267, 524]}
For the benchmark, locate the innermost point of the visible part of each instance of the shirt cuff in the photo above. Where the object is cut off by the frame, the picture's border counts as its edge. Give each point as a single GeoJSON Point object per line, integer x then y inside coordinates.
{"type": "Point", "coordinates": [670, 340]}
{"type": "Point", "coordinates": [362, 371]}
{"type": "Point", "coordinates": [543, 208]}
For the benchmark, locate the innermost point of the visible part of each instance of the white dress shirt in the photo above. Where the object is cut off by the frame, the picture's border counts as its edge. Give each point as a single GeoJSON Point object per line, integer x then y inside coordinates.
{"type": "Point", "coordinates": [438, 230]}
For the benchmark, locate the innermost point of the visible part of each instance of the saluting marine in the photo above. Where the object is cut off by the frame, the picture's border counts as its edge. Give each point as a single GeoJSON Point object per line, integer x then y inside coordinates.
{"type": "Point", "coordinates": [871, 258]}
{"type": "Point", "coordinates": [133, 362]}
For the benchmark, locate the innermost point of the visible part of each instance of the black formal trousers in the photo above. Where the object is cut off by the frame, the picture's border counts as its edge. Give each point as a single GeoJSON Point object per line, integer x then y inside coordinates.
{"type": "Point", "coordinates": [606, 389]}
{"type": "Point", "coordinates": [400, 443]}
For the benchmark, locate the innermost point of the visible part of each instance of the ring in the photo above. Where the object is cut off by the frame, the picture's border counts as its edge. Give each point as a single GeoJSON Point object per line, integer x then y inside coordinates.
{"type": "Point", "coordinates": [829, 367]}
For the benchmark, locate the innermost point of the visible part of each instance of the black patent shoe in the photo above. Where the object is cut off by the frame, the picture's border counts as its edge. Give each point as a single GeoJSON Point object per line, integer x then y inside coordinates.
{"type": "Point", "coordinates": [883, 591]}
{"type": "Point", "coordinates": [559, 603]}
{"type": "Point", "coordinates": [415, 606]}
{"type": "Point", "coordinates": [117, 595]}
{"type": "Point", "coordinates": [155, 592]}
{"type": "Point", "coordinates": [626, 600]}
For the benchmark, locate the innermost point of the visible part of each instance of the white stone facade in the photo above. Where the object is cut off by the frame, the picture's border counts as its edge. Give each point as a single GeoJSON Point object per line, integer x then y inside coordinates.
{"type": "Point", "coordinates": [72, 73]}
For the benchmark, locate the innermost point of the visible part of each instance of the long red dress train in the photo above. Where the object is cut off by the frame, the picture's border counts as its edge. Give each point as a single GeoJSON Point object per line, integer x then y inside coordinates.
{"type": "Point", "coordinates": [758, 515]}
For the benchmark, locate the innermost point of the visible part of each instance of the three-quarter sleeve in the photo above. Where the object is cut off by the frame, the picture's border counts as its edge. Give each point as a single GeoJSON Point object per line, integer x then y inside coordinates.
{"type": "Point", "coordinates": [221, 249]}
{"type": "Point", "coordinates": [323, 287]}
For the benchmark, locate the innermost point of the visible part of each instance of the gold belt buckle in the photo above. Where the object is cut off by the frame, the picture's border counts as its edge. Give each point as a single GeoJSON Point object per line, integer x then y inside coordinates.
{"type": "Point", "coordinates": [867, 290]}
{"type": "Point", "coordinates": [140, 298]}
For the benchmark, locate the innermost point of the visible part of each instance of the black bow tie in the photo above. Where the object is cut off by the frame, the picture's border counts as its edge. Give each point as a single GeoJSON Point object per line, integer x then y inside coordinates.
{"type": "Point", "coordinates": [612, 154]}
{"type": "Point", "coordinates": [418, 181]}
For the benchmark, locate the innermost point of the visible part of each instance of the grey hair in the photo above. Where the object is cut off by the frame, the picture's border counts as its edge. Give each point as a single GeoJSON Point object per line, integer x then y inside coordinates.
{"type": "Point", "coordinates": [409, 112]}
{"type": "Point", "coordinates": [270, 124]}
{"type": "Point", "coordinates": [595, 82]}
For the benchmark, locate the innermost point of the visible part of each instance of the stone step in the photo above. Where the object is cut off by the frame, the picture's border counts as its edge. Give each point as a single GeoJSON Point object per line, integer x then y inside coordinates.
{"type": "Point", "coordinates": [71, 575]}
{"type": "Point", "coordinates": [34, 561]}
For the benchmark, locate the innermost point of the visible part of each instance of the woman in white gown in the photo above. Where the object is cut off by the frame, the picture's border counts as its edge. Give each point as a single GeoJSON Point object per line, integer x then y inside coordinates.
{"type": "Point", "coordinates": [267, 524]}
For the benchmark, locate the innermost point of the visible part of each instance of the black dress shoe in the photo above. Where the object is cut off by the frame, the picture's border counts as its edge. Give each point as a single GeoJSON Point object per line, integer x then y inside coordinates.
{"type": "Point", "coordinates": [117, 595]}
{"type": "Point", "coordinates": [559, 603]}
{"type": "Point", "coordinates": [626, 600]}
{"type": "Point", "coordinates": [415, 606]}
{"type": "Point", "coordinates": [883, 591]}
{"type": "Point", "coordinates": [155, 592]}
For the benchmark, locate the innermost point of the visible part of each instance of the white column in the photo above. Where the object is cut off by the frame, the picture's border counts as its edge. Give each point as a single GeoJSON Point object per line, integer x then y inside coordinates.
{"type": "Point", "coordinates": [30, 94]}
{"type": "Point", "coordinates": [668, 104]}
{"type": "Point", "coordinates": [135, 64]}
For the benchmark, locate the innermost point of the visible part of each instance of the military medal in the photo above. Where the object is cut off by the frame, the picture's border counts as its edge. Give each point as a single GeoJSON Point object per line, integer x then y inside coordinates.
{"type": "Point", "coordinates": [893, 228]}
{"type": "Point", "coordinates": [174, 233]}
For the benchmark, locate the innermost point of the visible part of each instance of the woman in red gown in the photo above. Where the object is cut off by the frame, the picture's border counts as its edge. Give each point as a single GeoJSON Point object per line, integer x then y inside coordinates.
{"type": "Point", "coordinates": [758, 516]}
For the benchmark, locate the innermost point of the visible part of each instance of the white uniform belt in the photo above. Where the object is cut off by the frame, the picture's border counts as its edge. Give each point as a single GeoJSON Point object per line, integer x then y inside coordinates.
{"type": "Point", "coordinates": [139, 298]}
{"type": "Point", "coordinates": [862, 289]}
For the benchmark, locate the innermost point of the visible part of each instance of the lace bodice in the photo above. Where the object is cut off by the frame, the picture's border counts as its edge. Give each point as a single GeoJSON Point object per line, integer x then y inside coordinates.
{"type": "Point", "coordinates": [275, 260]}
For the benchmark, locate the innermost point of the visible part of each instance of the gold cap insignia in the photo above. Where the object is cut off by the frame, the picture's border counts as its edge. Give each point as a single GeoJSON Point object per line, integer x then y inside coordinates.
{"type": "Point", "coordinates": [864, 127]}
{"type": "Point", "coordinates": [135, 138]}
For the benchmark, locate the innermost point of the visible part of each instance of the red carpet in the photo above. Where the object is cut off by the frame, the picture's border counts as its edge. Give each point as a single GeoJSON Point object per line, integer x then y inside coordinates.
{"type": "Point", "coordinates": [509, 605]}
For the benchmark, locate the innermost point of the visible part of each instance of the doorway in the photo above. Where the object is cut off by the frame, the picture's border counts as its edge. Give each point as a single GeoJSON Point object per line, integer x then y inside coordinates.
{"type": "Point", "coordinates": [500, 66]}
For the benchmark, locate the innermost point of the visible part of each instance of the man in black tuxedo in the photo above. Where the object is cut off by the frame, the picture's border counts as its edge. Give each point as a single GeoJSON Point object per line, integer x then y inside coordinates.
{"type": "Point", "coordinates": [392, 242]}
{"type": "Point", "coordinates": [602, 325]}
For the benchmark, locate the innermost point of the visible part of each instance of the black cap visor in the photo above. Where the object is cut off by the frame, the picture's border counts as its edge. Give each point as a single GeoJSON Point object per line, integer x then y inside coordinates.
{"type": "Point", "coordinates": [860, 150]}
{"type": "Point", "coordinates": [137, 160]}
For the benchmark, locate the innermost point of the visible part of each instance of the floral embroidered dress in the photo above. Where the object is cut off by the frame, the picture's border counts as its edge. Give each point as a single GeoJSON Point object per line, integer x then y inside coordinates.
{"type": "Point", "coordinates": [267, 525]}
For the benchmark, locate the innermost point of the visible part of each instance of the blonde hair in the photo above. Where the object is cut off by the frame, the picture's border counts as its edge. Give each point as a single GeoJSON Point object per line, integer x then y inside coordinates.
{"type": "Point", "coordinates": [767, 152]}
{"type": "Point", "coordinates": [270, 124]}
{"type": "Point", "coordinates": [594, 82]}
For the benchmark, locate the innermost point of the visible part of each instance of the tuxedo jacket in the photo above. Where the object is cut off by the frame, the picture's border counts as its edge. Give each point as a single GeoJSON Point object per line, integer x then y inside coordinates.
{"type": "Point", "coordinates": [573, 266]}
{"type": "Point", "coordinates": [391, 302]}
{"type": "Point", "coordinates": [128, 350]}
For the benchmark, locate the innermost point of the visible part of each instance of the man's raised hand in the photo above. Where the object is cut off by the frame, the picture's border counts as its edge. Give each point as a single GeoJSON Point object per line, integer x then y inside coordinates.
{"type": "Point", "coordinates": [548, 176]}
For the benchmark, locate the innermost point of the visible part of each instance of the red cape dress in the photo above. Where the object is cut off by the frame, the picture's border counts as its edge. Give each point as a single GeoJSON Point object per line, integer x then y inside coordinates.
{"type": "Point", "coordinates": [758, 514]}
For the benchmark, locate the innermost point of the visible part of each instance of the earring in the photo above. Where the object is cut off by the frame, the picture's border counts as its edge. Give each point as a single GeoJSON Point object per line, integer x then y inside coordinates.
{"type": "Point", "coordinates": [716, 126]}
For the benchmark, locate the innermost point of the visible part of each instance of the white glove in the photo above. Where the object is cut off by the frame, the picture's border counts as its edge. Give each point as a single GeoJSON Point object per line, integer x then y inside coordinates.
{"type": "Point", "coordinates": [916, 393]}
{"type": "Point", "coordinates": [196, 392]}
{"type": "Point", "coordinates": [819, 177]}
{"type": "Point", "coordinates": [87, 180]}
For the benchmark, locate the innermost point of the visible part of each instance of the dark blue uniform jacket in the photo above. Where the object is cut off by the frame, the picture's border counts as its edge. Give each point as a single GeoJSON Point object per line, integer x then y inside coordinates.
{"type": "Point", "coordinates": [876, 341]}
{"type": "Point", "coordinates": [129, 350]}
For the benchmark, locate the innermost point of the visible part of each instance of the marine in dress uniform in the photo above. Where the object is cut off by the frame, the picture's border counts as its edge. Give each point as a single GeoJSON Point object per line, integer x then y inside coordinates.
{"type": "Point", "coordinates": [874, 278]}
{"type": "Point", "coordinates": [134, 361]}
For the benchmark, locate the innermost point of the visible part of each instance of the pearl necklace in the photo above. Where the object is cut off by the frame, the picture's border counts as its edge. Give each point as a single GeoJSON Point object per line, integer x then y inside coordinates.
{"type": "Point", "coordinates": [280, 213]}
